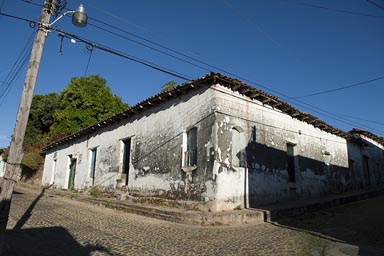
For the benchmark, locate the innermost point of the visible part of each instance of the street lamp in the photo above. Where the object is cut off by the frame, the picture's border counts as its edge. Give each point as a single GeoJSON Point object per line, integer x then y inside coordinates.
{"type": "Point", "coordinates": [79, 17]}
{"type": "Point", "coordinates": [13, 167]}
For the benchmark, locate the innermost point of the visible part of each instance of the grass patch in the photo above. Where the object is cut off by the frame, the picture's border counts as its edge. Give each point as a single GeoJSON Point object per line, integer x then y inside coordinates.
{"type": "Point", "coordinates": [237, 208]}
{"type": "Point", "coordinates": [109, 203]}
{"type": "Point", "coordinates": [96, 191]}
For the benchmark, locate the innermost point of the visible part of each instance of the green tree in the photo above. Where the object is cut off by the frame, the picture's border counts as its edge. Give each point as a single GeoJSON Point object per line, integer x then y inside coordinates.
{"type": "Point", "coordinates": [168, 86]}
{"type": "Point", "coordinates": [39, 124]}
{"type": "Point", "coordinates": [85, 101]}
{"type": "Point", "coordinates": [41, 118]}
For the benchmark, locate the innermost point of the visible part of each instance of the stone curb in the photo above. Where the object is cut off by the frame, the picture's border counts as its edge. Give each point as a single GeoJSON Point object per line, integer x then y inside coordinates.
{"type": "Point", "coordinates": [244, 216]}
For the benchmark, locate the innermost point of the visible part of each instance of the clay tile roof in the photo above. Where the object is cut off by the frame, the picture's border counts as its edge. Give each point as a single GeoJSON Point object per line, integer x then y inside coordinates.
{"type": "Point", "coordinates": [368, 134]}
{"type": "Point", "coordinates": [208, 80]}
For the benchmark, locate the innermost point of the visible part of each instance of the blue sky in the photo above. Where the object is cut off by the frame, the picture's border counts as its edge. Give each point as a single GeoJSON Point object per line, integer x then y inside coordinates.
{"type": "Point", "coordinates": [289, 48]}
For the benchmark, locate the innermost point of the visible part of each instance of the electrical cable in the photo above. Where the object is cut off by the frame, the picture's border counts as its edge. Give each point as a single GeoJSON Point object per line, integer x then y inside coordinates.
{"type": "Point", "coordinates": [150, 47]}
{"type": "Point", "coordinates": [18, 66]}
{"type": "Point", "coordinates": [375, 4]}
{"type": "Point", "coordinates": [340, 88]}
{"type": "Point", "coordinates": [89, 49]}
{"type": "Point", "coordinates": [186, 78]}
{"type": "Point", "coordinates": [110, 50]}
{"type": "Point", "coordinates": [333, 9]}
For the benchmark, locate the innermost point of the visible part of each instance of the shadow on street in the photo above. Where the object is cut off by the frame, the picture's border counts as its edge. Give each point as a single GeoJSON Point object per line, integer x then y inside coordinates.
{"type": "Point", "coordinates": [47, 241]}
{"type": "Point", "coordinates": [360, 223]}
{"type": "Point", "coordinates": [44, 241]}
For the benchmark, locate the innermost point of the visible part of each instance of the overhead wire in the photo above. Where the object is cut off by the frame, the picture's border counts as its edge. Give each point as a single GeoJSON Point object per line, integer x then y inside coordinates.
{"type": "Point", "coordinates": [365, 120]}
{"type": "Point", "coordinates": [287, 98]}
{"type": "Point", "coordinates": [146, 40]}
{"type": "Point", "coordinates": [110, 50]}
{"type": "Point", "coordinates": [375, 4]}
{"type": "Point", "coordinates": [17, 67]}
{"type": "Point", "coordinates": [333, 9]}
{"type": "Point", "coordinates": [340, 88]}
{"type": "Point", "coordinates": [184, 77]}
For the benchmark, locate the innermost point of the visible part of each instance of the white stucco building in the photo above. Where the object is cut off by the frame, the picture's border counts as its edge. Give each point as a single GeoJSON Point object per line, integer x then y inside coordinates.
{"type": "Point", "coordinates": [219, 142]}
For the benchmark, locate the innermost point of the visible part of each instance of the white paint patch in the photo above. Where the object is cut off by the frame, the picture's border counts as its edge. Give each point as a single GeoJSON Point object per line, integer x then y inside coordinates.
{"type": "Point", "coordinates": [230, 186]}
{"type": "Point", "coordinates": [150, 182]}
{"type": "Point", "coordinates": [216, 167]}
{"type": "Point", "coordinates": [219, 154]}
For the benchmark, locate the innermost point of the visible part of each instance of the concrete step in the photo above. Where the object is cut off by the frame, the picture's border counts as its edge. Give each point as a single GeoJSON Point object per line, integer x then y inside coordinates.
{"type": "Point", "coordinates": [244, 216]}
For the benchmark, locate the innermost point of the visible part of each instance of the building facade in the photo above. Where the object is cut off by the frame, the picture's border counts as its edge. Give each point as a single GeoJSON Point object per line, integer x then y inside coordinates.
{"type": "Point", "coordinates": [218, 142]}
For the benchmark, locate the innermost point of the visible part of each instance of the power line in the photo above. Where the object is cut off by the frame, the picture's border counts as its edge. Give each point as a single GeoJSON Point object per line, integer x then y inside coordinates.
{"type": "Point", "coordinates": [15, 71]}
{"type": "Point", "coordinates": [340, 88]}
{"type": "Point", "coordinates": [148, 41]}
{"type": "Point", "coordinates": [110, 50]}
{"type": "Point", "coordinates": [334, 10]}
{"type": "Point", "coordinates": [186, 78]}
{"type": "Point", "coordinates": [147, 46]}
{"type": "Point", "coordinates": [363, 119]}
{"type": "Point", "coordinates": [375, 4]}
{"type": "Point", "coordinates": [124, 55]}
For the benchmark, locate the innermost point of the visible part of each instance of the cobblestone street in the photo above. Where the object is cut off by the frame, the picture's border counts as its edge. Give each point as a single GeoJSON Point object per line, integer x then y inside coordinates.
{"type": "Point", "coordinates": [54, 225]}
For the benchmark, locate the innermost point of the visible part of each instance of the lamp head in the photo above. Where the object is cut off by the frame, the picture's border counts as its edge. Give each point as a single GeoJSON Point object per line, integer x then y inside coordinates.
{"type": "Point", "coordinates": [79, 18]}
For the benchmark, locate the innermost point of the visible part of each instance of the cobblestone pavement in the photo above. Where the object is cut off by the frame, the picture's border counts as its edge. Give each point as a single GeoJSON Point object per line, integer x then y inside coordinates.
{"type": "Point", "coordinates": [53, 225]}
{"type": "Point", "coordinates": [360, 223]}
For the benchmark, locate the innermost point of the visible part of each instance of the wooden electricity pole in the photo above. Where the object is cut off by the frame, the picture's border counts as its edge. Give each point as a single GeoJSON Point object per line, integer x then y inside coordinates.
{"type": "Point", "coordinates": [13, 167]}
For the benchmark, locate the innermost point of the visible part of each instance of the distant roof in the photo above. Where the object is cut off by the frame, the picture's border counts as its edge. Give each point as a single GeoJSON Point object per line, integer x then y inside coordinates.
{"type": "Point", "coordinates": [207, 81]}
{"type": "Point", "coordinates": [368, 134]}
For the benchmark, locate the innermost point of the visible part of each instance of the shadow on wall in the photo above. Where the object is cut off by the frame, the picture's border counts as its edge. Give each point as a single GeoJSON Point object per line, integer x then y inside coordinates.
{"type": "Point", "coordinates": [275, 175]}
{"type": "Point", "coordinates": [47, 241]}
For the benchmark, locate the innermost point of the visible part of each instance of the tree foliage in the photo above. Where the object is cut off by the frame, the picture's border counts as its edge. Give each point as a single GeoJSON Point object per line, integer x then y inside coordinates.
{"type": "Point", "coordinates": [168, 86]}
{"type": "Point", "coordinates": [41, 118]}
{"type": "Point", "coordinates": [85, 101]}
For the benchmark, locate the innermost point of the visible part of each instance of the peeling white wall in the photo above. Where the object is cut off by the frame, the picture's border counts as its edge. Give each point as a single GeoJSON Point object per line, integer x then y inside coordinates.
{"type": "Point", "coordinates": [158, 141]}
{"type": "Point", "coordinates": [156, 138]}
{"type": "Point", "coordinates": [268, 183]}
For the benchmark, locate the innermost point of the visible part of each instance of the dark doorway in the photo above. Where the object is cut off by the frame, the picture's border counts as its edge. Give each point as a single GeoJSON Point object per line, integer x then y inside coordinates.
{"type": "Point", "coordinates": [72, 172]}
{"type": "Point", "coordinates": [291, 163]}
{"type": "Point", "coordinates": [126, 159]}
{"type": "Point", "coordinates": [366, 170]}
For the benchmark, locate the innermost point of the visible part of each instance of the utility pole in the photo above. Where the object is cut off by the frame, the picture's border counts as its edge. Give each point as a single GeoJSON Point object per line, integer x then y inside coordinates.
{"type": "Point", "coordinates": [13, 167]}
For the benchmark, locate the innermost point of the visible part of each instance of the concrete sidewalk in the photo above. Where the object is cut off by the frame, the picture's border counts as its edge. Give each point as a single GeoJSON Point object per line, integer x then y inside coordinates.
{"type": "Point", "coordinates": [244, 216]}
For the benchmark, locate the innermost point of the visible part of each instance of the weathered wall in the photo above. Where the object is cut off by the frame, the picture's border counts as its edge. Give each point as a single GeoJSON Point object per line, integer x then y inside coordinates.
{"type": "Point", "coordinates": [247, 168]}
{"type": "Point", "coordinates": [321, 159]}
{"type": "Point", "coordinates": [367, 162]}
{"type": "Point", "coordinates": [156, 138]}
